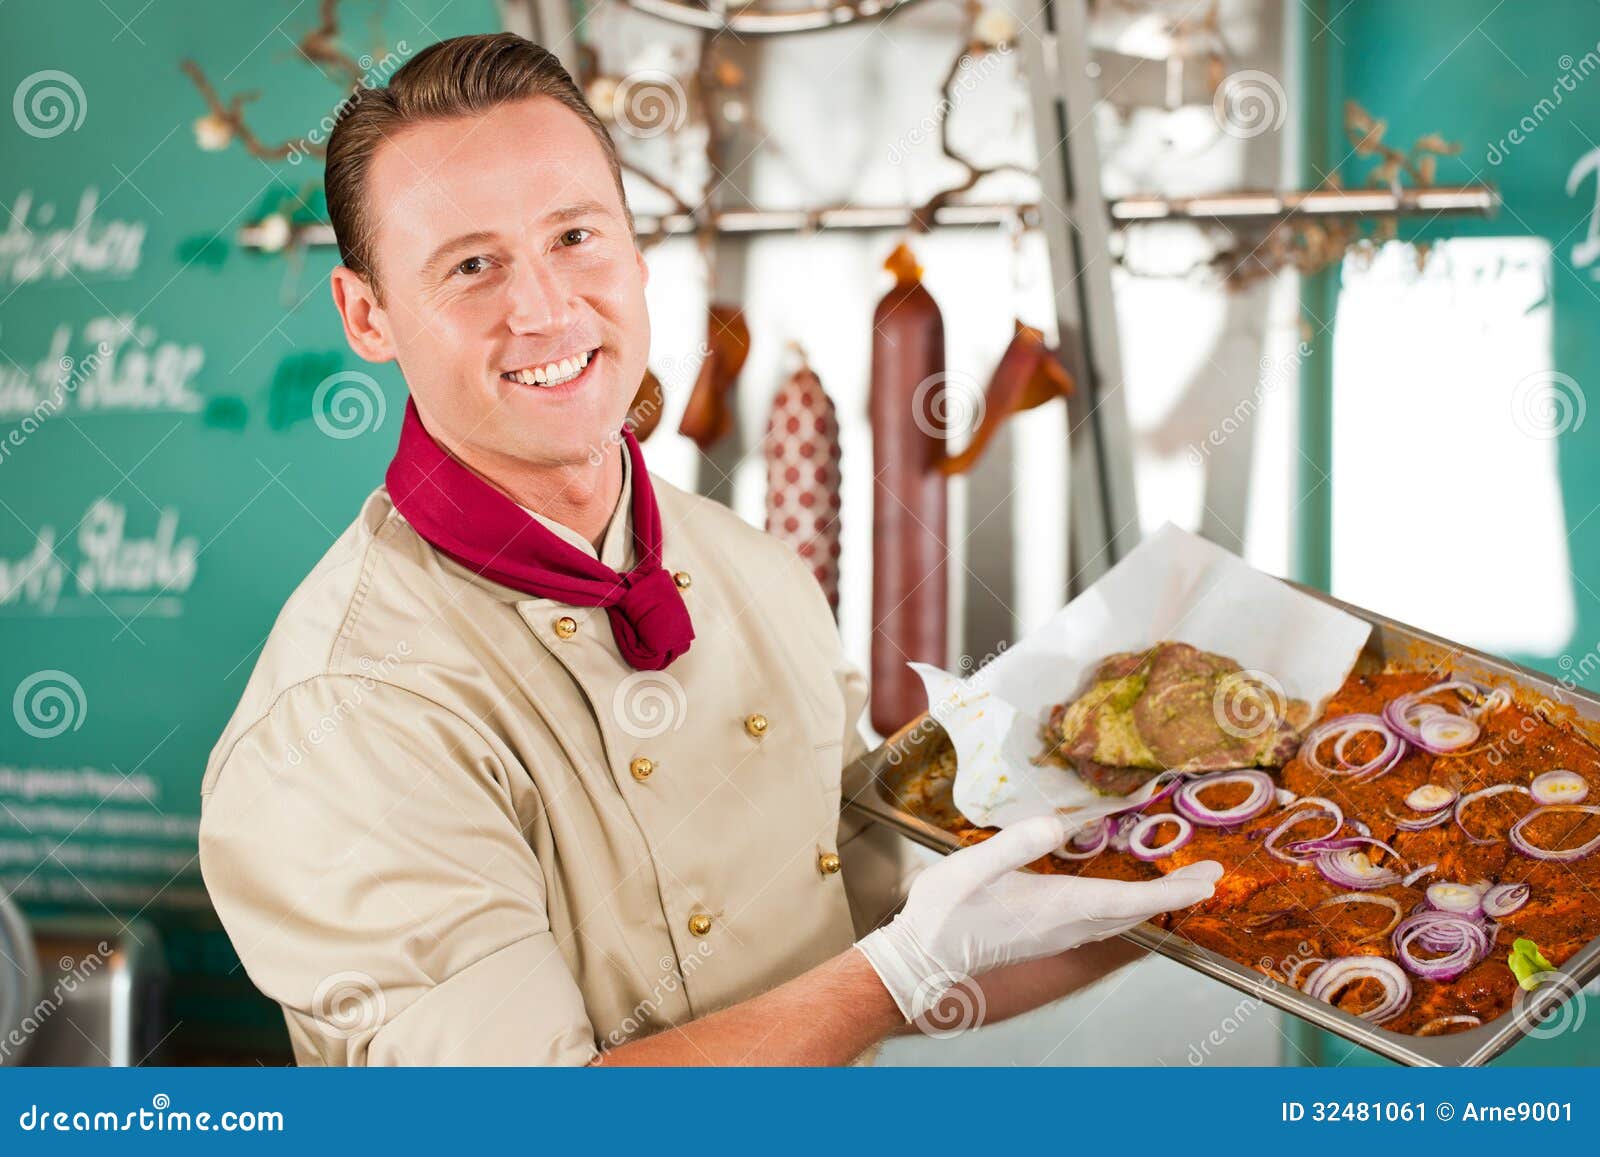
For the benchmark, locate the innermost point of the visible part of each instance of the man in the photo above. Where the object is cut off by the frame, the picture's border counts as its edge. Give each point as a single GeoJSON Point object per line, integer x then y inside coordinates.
{"type": "Point", "coordinates": [463, 816]}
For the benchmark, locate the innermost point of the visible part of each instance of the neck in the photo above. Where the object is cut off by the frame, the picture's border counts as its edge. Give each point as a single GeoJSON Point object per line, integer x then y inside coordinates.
{"type": "Point", "coordinates": [579, 495]}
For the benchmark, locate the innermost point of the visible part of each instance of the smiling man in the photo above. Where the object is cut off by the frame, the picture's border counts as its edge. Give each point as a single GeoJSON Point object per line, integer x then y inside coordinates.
{"type": "Point", "coordinates": [542, 762]}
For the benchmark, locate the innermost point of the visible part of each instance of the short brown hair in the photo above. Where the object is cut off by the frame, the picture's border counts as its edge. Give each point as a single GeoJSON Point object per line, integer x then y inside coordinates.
{"type": "Point", "coordinates": [460, 77]}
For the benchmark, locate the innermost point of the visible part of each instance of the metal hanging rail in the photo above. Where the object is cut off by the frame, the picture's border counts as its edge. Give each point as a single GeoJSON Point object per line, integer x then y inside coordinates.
{"type": "Point", "coordinates": [1243, 207]}
{"type": "Point", "coordinates": [724, 17]}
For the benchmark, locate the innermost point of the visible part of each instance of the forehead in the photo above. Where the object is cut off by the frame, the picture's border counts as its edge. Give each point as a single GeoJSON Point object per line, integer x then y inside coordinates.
{"type": "Point", "coordinates": [502, 170]}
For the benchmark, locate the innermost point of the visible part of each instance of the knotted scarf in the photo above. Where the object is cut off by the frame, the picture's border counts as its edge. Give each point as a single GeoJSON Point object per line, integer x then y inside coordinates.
{"type": "Point", "coordinates": [465, 518]}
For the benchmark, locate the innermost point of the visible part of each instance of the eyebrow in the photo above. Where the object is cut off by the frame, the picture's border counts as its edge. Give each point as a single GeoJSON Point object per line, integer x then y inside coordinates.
{"type": "Point", "coordinates": [478, 237]}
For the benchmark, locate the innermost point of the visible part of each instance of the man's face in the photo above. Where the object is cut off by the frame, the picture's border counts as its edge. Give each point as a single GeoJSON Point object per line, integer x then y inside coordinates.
{"type": "Point", "coordinates": [502, 249]}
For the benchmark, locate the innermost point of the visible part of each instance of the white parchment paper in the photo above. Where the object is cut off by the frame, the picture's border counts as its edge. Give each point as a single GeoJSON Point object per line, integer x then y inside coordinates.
{"type": "Point", "coordinates": [1175, 586]}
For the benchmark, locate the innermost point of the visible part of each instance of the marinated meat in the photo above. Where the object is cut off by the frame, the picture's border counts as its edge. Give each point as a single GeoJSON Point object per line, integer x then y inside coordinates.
{"type": "Point", "coordinates": [1275, 915]}
{"type": "Point", "coordinates": [1170, 707]}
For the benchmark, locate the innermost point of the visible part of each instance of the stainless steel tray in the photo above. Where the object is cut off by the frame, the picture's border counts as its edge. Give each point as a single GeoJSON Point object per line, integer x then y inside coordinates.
{"type": "Point", "coordinates": [875, 777]}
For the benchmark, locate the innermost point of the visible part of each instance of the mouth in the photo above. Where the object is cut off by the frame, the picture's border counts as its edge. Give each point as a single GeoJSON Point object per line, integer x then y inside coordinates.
{"type": "Point", "coordinates": [564, 375]}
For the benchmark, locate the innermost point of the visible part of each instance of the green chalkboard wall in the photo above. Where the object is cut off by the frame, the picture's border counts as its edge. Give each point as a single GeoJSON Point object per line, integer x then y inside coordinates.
{"type": "Point", "coordinates": [162, 494]}
{"type": "Point", "coordinates": [1519, 86]}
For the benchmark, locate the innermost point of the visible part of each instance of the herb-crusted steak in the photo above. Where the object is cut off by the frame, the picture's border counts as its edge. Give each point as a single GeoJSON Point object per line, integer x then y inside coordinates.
{"type": "Point", "coordinates": [1171, 707]}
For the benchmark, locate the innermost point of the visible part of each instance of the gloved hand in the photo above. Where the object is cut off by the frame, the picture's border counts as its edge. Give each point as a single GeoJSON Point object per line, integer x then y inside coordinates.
{"type": "Point", "coordinates": [974, 911]}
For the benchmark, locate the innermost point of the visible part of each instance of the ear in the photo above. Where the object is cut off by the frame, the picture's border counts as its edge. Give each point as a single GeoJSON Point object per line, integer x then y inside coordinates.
{"type": "Point", "coordinates": [644, 266]}
{"type": "Point", "coordinates": [366, 324]}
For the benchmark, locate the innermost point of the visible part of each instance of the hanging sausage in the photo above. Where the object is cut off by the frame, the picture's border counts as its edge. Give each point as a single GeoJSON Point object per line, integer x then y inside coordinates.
{"type": "Point", "coordinates": [908, 410]}
{"type": "Point", "coordinates": [1030, 374]}
{"type": "Point", "coordinates": [644, 412]}
{"type": "Point", "coordinates": [707, 417]}
{"type": "Point", "coordinates": [802, 453]}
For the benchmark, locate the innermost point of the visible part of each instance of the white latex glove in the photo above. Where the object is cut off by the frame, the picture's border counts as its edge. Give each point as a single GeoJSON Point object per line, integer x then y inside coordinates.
{"type": "Point", "coordinates": [974, 911]}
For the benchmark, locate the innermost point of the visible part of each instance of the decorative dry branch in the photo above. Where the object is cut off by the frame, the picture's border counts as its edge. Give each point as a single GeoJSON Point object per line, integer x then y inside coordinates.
{"type": "Point", "coordinates": [1311, 245]}
{"type": "Point", "coordinates": [993, 37]}
{"type": "Point", "coordinates": [226, 120]}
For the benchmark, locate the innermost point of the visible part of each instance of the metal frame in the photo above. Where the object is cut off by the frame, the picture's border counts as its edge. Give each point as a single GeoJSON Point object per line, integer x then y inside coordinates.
{"type": "Point", "coordinates": [1104, 512]}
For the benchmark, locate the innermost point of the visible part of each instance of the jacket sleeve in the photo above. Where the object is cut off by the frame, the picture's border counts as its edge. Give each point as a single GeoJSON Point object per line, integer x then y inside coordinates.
{"type": "Point", "coordinates": [363, 851]}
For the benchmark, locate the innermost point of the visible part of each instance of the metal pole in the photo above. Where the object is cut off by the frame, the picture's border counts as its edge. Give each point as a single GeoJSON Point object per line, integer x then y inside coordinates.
{"type": "Point", "coordinates": [1104, 514]}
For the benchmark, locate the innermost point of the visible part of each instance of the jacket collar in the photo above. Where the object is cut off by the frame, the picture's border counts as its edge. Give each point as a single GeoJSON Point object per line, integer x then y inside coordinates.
{"type": "Point", "coordinates": [616, 547]}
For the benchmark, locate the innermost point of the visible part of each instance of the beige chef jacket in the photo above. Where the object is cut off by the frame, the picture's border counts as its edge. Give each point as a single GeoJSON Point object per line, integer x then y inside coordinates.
{"type": "Point", "coordinates": [448, 824]}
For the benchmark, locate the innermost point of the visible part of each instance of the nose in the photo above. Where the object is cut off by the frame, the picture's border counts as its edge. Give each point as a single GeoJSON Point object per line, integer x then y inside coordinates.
{"type": "Point", "coordinates": [538, 300]}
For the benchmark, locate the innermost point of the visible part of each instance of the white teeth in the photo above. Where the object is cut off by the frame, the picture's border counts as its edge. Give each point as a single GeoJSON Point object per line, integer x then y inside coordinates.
{"type": "Point", "coordinates": [553, 374]}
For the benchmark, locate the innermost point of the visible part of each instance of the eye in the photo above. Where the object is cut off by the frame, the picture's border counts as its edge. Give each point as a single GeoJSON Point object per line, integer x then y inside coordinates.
{"type": "Point", "coordinates": [471, 266]}
{"type": "Point", "coordinates": [573, 233]}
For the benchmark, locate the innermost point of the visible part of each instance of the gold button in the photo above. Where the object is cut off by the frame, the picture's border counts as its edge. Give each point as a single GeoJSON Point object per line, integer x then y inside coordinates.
{"type": "Point", "coordinates": [641, 768]}
{"type": "Point", "coordinates": [756, 724]}
{"type": "Point", "coordinates": [566, 626]}
{"type": "Point", "coordinates": [699, 924]}
{"type": "Point", "coordinates": [828, 862]}
{"type": "Point", "coordinates": [681, 577]}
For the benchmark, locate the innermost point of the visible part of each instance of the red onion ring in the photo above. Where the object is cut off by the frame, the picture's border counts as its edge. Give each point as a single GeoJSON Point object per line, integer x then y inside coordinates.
{"type": "Point", "coordinates": [1463, 941]}
{"type": "Point", "coordinates": [1388, 902]}
{"type": "Point", "coordinates": [1142, 851]}
{"type": "Point", "coordinates": [1338, 974]}
{"type": "Point", "coordinates": [1413, 877]}
{"type": "Point", "coordinates": [1350, 868]}
{"type": "Point", "coordinates": [1497, 700]}
{"type": "Point", "coordinates": [1522, 844]}
{"type": "Point", "coordinates": [1343, 843]}
{"type": "Point", "coordinates": [1121, 825]}
{"type": "Point", "coordinates": [1460, 899]}
{"type": "Point", "coordinates": [1099, 837]}
{"type": "Point", "coordinates": [1166, 789]}
{"type": "Point", "coordinates": [1438, 1023]}
{"type": "Point", "coordinates": [1559, 786]}
{"type": "Point", "coordinates": [1445, 732]}
{"type": "Point", "coordinates": [1497, 789]}
{"type": "Point", "coordinates": [1431, 797]}
{"type": "Point", "coordinates": [1342, 729]}
{"type": "Point", "coordinates": [1435, 731]}
{"type": "Point", "coordinates": [1300, 966]}
{"type": "Point", "coordinates": [1504, 899]}
{"type": "Point", "coordinates": [1412, 824]}
{"type": "Point", "coordinates": [1188, 804]}
{"type": "Point", "coordinates": [1292, 817]}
